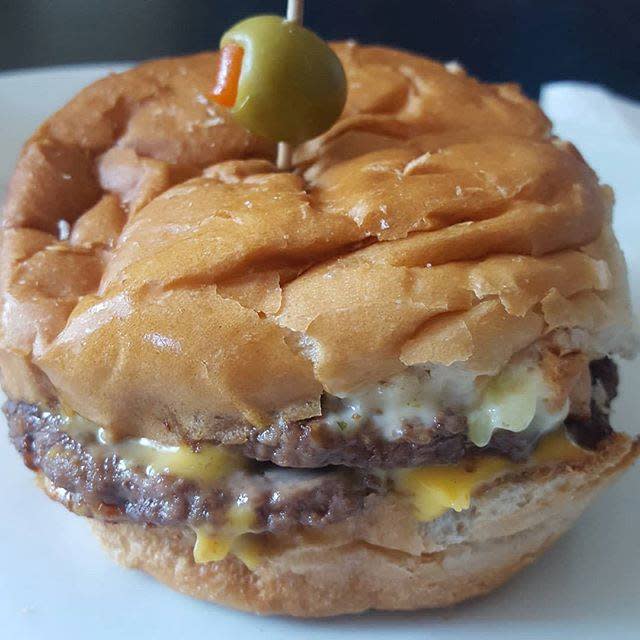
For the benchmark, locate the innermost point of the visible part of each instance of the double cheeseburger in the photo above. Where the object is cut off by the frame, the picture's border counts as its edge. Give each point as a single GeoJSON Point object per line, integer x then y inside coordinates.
{"type": "Point", "coordinates": [381, 380]}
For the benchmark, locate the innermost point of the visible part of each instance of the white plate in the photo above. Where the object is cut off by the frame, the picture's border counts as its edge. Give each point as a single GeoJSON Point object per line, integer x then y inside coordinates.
{"type": "Point", "coordinates": [55, 581]}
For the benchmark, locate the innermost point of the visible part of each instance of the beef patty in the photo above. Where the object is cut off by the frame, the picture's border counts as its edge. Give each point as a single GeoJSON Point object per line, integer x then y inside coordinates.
{"type": "Point", "coordinates": [102, 486]}
{"type": "Point", "coordinates": [311, 443]}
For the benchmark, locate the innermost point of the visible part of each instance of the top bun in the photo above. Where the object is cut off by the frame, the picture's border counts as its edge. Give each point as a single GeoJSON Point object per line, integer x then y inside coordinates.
{"type": "Point", "coordinates": [158, 272]}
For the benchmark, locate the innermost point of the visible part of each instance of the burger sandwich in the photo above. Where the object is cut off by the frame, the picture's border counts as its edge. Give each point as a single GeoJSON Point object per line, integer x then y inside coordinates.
{"type": "Point", "coordinates": [379, 380]}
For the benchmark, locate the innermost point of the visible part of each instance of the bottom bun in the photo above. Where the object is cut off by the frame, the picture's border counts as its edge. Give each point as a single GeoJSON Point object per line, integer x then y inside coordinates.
{"type": "Point", "coordinates": [338, 573]}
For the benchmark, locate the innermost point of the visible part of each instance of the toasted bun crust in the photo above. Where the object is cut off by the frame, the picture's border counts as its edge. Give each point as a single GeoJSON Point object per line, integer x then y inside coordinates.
{"type": "Point", "coordinates": [436, 222]}
{"type": "Point", "coordinates": [384, 562]}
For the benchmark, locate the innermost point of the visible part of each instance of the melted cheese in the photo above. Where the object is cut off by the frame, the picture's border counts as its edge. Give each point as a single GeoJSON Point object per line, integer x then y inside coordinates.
{"type": "Point", "coordinates": [412, 396]}
{"type": "Point", "coordinates": [208, 464]}
{"type": "Point", "coordinates": [234, 538]}
{"type": "Point", "coordinates": [211, 548]}
{"type": "Point", "coordinates": [558, 447]}
{"type": "Point", "coordinates": [515, 400]}
{"type": "Point", "coordinates": [435, 490]}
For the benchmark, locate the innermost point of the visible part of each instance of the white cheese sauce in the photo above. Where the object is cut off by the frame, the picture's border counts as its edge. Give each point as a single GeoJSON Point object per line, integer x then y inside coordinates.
{"type": "Point", "coordinates": [515, 399]}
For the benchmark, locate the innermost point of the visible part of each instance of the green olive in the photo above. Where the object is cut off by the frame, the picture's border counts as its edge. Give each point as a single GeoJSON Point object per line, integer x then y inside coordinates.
{"type": "Point", "coordinates": [292, 86]}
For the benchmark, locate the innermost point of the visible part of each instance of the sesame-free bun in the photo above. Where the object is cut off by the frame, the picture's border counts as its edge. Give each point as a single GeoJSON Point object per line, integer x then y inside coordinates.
{"type": "Point", "coordinates": [384, 560]}
{"type": "Point", "coordinates": [438, 222]}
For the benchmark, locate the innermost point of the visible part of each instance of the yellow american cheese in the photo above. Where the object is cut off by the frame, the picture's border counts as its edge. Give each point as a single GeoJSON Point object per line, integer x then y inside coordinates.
{"type": "Point", "coordinates": [207, 464]}
{"type": "Point", "coordinates": [439, 488]}
{"type": "Point", "coordinates": [234, 538]}
{"type": "Point", "coordinates": [434, 490]}
{"type": "Point", "coordinates": [557, 446]}
{"type": "Point", "coordinates": [211, 548]}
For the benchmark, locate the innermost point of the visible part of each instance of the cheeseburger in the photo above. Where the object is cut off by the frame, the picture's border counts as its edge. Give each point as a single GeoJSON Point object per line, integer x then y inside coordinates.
{"type": "Point", "coordinates": [379, 380]}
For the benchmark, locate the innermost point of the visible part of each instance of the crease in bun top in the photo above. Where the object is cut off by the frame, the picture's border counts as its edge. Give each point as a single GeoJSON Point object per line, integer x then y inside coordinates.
{"type": "Point", "coordinates": [345, 374]}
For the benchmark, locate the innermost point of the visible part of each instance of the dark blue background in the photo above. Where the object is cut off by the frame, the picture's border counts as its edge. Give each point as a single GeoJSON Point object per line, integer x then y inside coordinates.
{"type": "Point", "coordinates": [531, 41]}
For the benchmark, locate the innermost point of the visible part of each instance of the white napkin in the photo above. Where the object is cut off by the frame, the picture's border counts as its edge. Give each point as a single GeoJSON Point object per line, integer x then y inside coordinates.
{"type": "Point", "coordinates": [590, 106]}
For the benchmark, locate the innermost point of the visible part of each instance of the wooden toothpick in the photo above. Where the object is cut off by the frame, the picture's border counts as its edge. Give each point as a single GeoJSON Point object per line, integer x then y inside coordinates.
{"type": "Point", "coordinates": [285, 155]}
{"type": "Point", "coordinates": [295, 9]}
